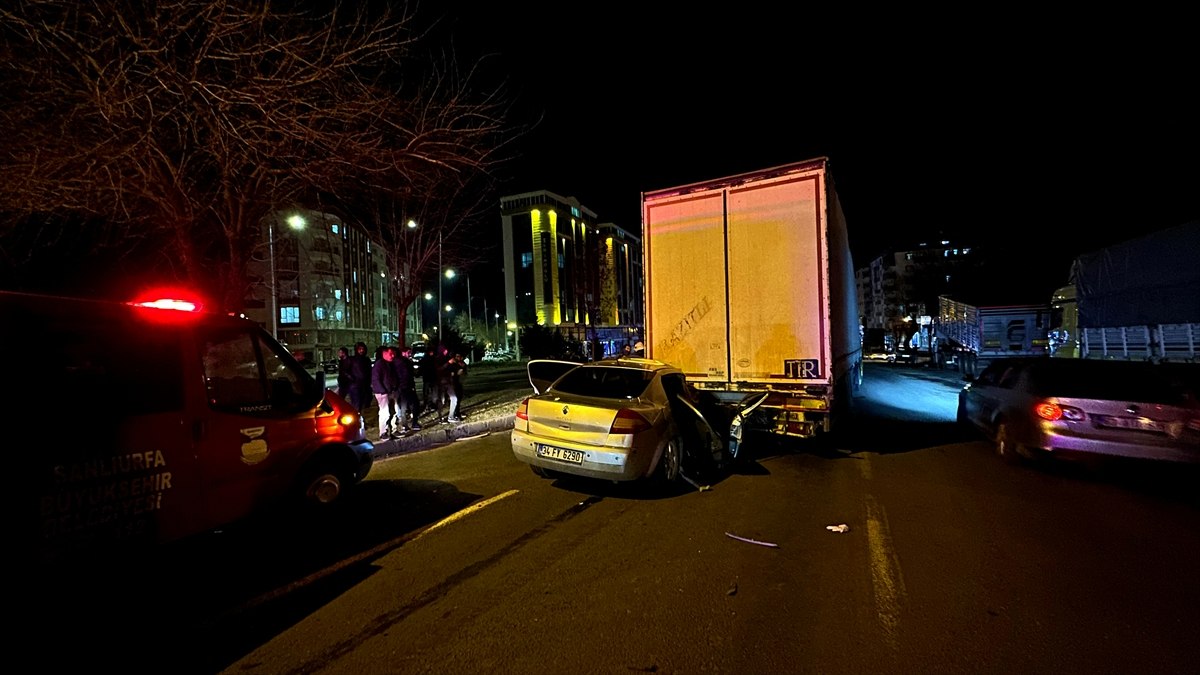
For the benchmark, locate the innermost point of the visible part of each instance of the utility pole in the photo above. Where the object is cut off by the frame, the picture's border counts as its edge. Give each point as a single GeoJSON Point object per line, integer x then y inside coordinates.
{"type": "Point", "coordinates": [274, 287]}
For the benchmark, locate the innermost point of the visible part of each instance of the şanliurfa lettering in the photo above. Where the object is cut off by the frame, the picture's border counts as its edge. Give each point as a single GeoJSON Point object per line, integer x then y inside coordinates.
{"type": "Point", "coordinates": [103, 492]}
{"type": "Point", "coordinates": [105, 467]}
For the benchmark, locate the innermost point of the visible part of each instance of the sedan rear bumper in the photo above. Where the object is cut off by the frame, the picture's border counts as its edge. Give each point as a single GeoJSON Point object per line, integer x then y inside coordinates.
{"type": "Point", "coordinates": [1055, 440]}
{"type": "Point", "coordinates": [617, 464]}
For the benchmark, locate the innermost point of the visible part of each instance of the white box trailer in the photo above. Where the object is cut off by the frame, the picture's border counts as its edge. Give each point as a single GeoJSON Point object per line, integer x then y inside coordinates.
{"type": "Point", "coordinates": [750, 290]}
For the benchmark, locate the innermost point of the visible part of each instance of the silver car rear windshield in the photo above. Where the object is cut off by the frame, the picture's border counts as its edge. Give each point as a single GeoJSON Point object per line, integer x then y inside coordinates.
{"type": "Point", "coordinates": [605, 382]}
{"type": "Point", "coordinates": [1172, 384]}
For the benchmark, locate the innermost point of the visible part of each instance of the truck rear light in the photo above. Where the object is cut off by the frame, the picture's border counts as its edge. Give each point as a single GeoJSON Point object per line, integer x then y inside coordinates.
{"type": "Point", "coordinates": [628, 422]}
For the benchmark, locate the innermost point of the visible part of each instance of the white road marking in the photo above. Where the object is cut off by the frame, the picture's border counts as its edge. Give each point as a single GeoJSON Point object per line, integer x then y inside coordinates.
{"type": "Point", "coordinates": [388, 545]}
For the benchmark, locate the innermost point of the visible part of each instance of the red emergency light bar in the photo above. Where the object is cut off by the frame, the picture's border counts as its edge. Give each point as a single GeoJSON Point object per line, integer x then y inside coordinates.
{"type": "Point", "coordinates": [169, 303]}
{"type": "Point", "coordinates": [168, 298]}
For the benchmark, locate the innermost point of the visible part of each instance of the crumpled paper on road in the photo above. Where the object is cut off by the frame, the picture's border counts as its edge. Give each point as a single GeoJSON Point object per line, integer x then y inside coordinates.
{"type": "Point", "coordinates": [838, 528]}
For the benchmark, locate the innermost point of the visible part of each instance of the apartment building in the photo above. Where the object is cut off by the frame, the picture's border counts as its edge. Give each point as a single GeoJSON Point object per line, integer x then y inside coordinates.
{"type": "Point", "coordinates": [318, 284]}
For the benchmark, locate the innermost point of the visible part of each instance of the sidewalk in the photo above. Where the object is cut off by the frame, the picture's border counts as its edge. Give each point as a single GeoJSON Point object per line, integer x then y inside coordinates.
{"type": "Point", "coordinates": [483, 413]}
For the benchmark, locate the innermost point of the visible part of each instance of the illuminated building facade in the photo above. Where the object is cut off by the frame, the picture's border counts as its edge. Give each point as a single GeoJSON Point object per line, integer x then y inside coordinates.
{"type": "Point", "coordinates": [564, 269]}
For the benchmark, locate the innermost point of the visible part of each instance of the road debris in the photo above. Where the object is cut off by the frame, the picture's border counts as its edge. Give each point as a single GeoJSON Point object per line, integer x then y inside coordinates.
{"type": "Point", "coordinates": [701, 488]}
{"type": "Point", "coordinates": [838, 528]}
{"type": "Point", "coordinates": [751, 541]}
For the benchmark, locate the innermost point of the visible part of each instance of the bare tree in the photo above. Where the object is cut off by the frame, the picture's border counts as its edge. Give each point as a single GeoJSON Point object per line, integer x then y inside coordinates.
{"type": "Point", "coordinates": [422, 233]}
{"type": "Point", "coordinates": [180, 125]}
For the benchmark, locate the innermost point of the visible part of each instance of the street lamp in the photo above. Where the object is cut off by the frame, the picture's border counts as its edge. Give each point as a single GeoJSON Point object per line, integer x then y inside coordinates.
{"type": "Point", "coordinates": [439, 285]}
{"type": "Point", "coordinates": [448, 274]}
{"type": "Point", "coordinates": [296, 222]}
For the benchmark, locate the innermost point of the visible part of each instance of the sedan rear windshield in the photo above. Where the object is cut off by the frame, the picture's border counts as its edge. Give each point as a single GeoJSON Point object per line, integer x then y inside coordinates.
{"type": "Point", "coordinates": [604, 382]}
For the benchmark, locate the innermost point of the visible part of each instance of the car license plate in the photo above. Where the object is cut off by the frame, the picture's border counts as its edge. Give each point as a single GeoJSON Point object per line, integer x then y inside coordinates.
{"type": "Point", "coordinates": [1135, 423]}
{"type": "Point", "coordinates": [561, 454]}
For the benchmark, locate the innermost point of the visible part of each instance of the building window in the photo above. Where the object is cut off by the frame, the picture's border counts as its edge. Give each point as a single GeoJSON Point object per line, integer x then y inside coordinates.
{"type": "Point", "coordinates": [319, 312]}
{"type": "Point", "coordinates": [334, 227]}
{"type": "Point", "coordinates": [289, 315]}
{"type": "Point", "coordinates": [527, 259]}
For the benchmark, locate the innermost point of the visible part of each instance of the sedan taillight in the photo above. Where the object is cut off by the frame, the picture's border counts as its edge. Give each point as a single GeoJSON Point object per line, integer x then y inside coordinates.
{"type": "Point", "coordinates": [1053, 412]}
{"type": "Point", "coordinates": [1048, 411]}
{"type": "Point", "coordinates": [628, 422]}
{"type": "Point", "coordinates": [523, 410]}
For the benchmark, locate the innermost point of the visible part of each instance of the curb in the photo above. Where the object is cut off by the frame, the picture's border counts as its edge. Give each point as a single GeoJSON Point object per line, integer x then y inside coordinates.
{"type": "Point", "coordinates": [436, 437]}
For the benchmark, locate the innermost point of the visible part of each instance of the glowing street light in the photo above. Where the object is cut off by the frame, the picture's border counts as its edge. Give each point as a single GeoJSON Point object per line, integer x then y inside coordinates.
{"type": "Point", "coordinates": [296, 222]}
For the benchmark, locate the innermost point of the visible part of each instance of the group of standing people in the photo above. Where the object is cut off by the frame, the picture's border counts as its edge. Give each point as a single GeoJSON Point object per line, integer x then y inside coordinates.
{"type": "Point", "coordinates": [391, 379]}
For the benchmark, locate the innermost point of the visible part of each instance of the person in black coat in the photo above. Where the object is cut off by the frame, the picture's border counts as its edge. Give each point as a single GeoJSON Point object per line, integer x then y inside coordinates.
{"type": "Point", "coordinates": [455, 371]}
{"type": "Point", "coordinates": [360, 378]}
{"type": "Point", "coordinates": [385, 383]}
{"type": "Point", "coordinates": [406, 399]}
{"type": "Point", "coordinates": [343, 373]}
{"type": "Point", "coordinates": [429, 378]}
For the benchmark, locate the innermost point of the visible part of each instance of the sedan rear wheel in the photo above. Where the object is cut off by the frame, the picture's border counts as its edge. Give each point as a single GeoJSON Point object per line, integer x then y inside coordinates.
{"type": "Point", "coordinates": [1006, 446]}
{"type": "Point", "coordinates": [667, 470]}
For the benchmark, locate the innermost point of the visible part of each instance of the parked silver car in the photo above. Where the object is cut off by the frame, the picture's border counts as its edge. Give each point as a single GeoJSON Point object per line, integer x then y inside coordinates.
{"type": "Point", "coordinates": [1039, 406]}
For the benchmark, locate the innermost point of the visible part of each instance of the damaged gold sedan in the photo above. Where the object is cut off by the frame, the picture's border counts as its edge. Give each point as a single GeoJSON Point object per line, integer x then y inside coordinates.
{"type": "Point", "coordinates": [622, 420]}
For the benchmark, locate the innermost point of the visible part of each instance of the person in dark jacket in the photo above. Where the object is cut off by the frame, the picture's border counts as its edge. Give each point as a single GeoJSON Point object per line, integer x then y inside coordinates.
{"type": "Point", "coordinates": [360, 378]}
{"type": "Point", "coordinates": [442, 388]}
{"type": "Point", "coordinates": [456, 370]}
{"type": "Point", "coordinates": [406, 399]}
{"type": "Point", "coordinates": [429, 381]}
{"type": "Point", "coordinates": [385, 383]}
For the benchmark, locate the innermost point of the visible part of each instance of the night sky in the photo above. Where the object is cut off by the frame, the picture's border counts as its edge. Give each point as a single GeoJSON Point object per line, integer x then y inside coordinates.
{"type": "Point", "coordinates": [1042, 136]}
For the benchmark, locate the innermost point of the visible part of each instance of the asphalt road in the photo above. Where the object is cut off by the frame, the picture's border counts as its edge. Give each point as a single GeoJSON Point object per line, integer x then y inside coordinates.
{"type": "Point", "coordinates": [459, 559]}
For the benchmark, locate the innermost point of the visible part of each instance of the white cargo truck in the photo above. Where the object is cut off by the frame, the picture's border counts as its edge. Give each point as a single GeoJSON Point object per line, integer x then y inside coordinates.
{"type": "Point", "coordinates": [750, 291]}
